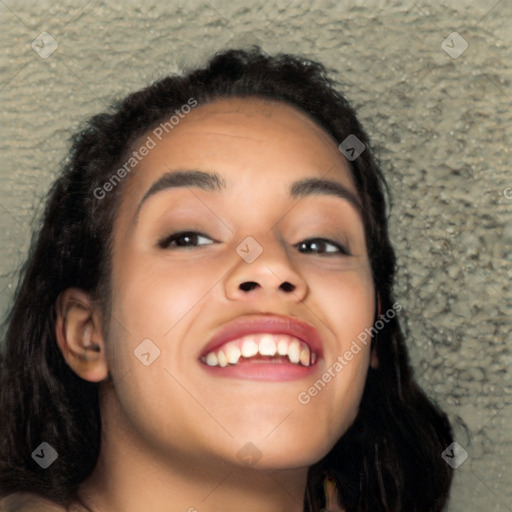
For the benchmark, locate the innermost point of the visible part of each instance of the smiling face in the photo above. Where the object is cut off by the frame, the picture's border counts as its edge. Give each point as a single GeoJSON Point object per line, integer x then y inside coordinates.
{"type": "Point", "coordinates": [307, 259]}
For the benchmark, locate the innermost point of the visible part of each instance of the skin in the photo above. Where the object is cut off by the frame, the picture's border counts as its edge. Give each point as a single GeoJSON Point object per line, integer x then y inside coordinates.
{"type": "Point", "coordinates": [170, 431]}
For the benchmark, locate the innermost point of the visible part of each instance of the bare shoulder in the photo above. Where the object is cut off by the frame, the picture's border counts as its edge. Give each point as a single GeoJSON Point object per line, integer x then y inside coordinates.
{"type": "Point", "coordinates": [27, 502]}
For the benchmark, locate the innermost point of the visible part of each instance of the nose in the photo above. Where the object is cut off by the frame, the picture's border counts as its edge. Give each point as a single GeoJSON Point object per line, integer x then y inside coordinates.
{"type": "Point", "coordinates": [268, 276]}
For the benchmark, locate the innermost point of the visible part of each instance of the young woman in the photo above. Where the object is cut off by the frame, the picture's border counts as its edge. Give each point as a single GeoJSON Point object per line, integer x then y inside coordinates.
{"type": "Point", "coordinates": [206, 319]}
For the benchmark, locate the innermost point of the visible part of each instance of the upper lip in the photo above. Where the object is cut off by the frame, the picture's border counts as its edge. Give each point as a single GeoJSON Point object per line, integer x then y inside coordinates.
{"type": "Point", "coordinates": [275, 324]}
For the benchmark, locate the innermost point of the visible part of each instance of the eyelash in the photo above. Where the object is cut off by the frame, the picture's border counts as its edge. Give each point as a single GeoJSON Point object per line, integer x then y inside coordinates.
{"type": "Point", "coordinates": [166, 242]}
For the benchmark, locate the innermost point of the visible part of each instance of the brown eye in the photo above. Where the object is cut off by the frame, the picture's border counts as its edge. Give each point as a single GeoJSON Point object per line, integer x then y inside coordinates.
{"type": "Point", "coordinates": [321, 246]}
{"type": "Point", "coordinates": [183, 239]}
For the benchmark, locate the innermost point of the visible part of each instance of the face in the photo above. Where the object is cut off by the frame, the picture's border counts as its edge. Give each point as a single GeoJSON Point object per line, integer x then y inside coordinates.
{"type": "Point", "coordinates": [306, 258]}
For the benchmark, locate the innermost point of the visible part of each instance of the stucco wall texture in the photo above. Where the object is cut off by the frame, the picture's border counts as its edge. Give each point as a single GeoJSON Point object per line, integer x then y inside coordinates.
{"type": "Point", "coordinates": [439, 117]}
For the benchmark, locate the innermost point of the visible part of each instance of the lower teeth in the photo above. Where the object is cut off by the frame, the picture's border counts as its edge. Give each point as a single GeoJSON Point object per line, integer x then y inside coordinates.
{"type": "Point", "coordinates": [272, 360]}
{"type": "Point", "coordinates": [265, 359]}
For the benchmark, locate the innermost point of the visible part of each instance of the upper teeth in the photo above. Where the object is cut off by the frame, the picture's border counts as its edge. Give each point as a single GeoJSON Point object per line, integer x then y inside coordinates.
{"type": "Point", "coordinates": [264, 345]}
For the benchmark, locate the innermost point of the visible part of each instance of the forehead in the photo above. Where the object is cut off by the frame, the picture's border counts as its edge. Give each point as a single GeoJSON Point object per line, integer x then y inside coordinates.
{"type": "Point", "coordinates": [251, 142]}
{"type": "Point", "coordinates": [251, 122]}
{"type": "Point", "coordinates": [257, 115]}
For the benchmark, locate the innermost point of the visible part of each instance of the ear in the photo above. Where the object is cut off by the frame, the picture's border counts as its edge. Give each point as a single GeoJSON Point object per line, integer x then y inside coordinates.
{"type": "Point", "coordinates": [374, 361]}
{"type": "Point", "coordinates": [80, 336]}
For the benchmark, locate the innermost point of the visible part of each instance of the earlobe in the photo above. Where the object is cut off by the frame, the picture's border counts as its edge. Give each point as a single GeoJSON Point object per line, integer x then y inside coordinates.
{"type": "Point", "coordinates": [79, 334]}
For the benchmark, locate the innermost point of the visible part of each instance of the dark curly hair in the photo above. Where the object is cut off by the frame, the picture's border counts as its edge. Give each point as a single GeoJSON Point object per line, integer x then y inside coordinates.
{"type": "Point", "coordinates": [389, 459]}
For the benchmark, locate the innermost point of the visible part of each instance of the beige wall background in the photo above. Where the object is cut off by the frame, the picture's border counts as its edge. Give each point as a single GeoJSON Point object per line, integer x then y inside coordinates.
{"type": "Point", "coordinates": [440, 123]}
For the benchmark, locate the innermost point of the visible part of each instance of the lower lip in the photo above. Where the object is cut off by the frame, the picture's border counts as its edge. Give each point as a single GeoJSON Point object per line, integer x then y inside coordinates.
{"type": "Point", "coordinates": [262, 371]}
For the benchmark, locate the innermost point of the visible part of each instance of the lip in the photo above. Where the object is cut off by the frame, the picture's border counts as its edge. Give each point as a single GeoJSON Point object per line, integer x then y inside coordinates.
{"type": "Point", "coordinates": [273, 324]}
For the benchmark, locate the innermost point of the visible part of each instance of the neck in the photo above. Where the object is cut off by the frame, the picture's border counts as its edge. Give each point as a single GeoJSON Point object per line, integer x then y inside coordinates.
{"type": "Point", "coordinates": [132, 475]}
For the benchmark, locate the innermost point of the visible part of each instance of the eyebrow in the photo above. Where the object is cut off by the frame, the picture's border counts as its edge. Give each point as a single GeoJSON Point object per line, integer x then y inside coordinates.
{"type": "Point", "coordinates": [214, 182]}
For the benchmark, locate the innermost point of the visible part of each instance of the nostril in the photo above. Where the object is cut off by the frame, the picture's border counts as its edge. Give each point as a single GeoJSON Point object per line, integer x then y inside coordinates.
{"type": "Point", "coordinates": [248, 286]}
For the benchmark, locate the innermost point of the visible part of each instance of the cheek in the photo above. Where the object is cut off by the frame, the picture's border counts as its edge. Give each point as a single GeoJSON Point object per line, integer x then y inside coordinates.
{"type": "Point", "coordinates": [153, 295]}
{"type": "Point", "coordinates": [348, 305]}
{"type": "Point", "coordinates": [150, 305]}
{"type": "Point", "coordinates": [352, 296]}
{"type": "Point", "coordinates": [150, 365]}
{"type": "Point", "coordinates": [153, 305]}
{"type": "Point", "coordinates": [347, 299]}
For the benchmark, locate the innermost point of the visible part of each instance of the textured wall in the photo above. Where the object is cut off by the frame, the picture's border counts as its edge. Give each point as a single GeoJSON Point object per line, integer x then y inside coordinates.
{"type": "Point", "coordinates": [440, 123]}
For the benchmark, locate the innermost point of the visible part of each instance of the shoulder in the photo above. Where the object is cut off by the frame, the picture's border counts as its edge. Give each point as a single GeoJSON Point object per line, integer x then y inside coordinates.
{"type": "Point", "coordinates": [27, 502]}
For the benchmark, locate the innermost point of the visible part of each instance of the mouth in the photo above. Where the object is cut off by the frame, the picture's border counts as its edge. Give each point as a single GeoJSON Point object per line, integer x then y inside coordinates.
{"type": "Point", "coordinates": [264, 347]}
